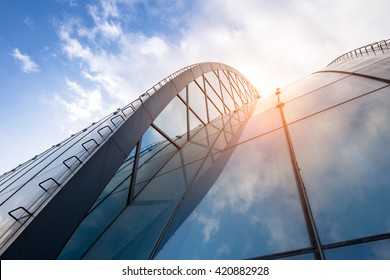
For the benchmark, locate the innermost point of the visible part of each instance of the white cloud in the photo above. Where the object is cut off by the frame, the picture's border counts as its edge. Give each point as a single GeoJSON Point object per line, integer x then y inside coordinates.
{"type": "Point", "coordinates": [122, 76]}
{"type": "Point", "coordinates": [104, 19]}
{"type": "Point", "coordinates": [275, 44]}
{"type": "Point", "coordinates": [272, 44]}
{"type": "Point", "coordinates": [71, 46]}
{"type": "Point", "coordinates": [84, 103]}
{"type": "Point", "coordinates": [252, 197]}
{"type": "Point", "coordinates": [222, 250]}
{"type": "Point", "coordinates": [29, 22]}
{"type": "Point", "coordinates": [27, 64]}
{"type": "Point", "coordinates": [210, 226]}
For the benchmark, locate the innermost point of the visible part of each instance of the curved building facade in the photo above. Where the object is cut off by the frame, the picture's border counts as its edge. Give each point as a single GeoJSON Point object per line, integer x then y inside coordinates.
{"type": "Point", "coordinates": [202, 167]}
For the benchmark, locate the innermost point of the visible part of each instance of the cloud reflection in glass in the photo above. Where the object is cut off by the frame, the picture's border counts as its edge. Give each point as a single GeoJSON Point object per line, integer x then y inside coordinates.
{"type": "Point", "coordinates": [253, 208]}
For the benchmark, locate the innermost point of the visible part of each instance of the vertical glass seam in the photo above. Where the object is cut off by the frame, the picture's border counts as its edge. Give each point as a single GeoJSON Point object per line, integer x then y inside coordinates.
{"type": "Point", "coordinates": [310, 223]}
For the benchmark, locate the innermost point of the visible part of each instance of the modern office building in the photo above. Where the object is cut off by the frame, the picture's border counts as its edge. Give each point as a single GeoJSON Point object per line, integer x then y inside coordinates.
{"type": "Point", "coordinates": [202, 167]}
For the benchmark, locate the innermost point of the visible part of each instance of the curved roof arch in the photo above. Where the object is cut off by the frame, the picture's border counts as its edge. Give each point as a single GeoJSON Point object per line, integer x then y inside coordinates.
{"type": "Point", "coordinates": [59, 186]}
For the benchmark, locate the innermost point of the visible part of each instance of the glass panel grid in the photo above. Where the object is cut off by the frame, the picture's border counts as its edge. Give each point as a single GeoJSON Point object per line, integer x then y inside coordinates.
{"type": "Point", "coordinates": [343, 157]}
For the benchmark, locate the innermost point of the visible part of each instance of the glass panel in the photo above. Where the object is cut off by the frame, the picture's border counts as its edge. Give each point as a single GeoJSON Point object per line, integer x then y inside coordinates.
{"type": "Point", "coordinates": [309, 84]}
{"type": "Point", "coordinates": [227, 98]}
{"type": "Point", "coordinates": [197, 100]}
{"type": "Point", "coordinates": [155, 152]}
{"type": "Point", "coordinates": [222, 141]}
{"type": "Point", "coordinates": [242, 87]}
{"type": "Point", "coordinates": [208, 163]}
{"type": "Point", "coordinates": [219, 123]}
{"type": "Point", "coordinates": [343, 154]}
{"type": "Point", "coordinates": [195, 124]}
{"type": "Point", "coordinates": [108, 206]}
{"type": "Point", "coordinates": [214, 113]}
{"type": "Point", "coordinates": [191, 151]}
{"type": "Point", "coordinates": [380, 69]}
{"type": "Point", "coordinates": [151, 208]}
{"type": "Point", "coordinates": [151, 138]}
{"type": "Point", "coordinates": [225, 89]}
{"type": "Point", "coordinates": [231, 87]}
{"type": "Point", "coordinates": [152, 157]}
{"type": "Point", "coordinates": [329, 96]}
{"type": "Point", "coordinates": [252, 209]}
{"type": "Point", "coordinates": [182, 94]}
{"type": "Point", "coordinates": [135, 232]}
{"type": "Point", "coordinates": [214, 126]}
{"type": "Point", "coordinates": [353, 65]}
{"type": "Point", "coordinates": [231, 132]}
{"type": "Point", "coordinates": [173, 119]}
{"type": "Point", "coordinates": [300, 257]}
{"type": "Point", "coordinates": [262, 123]}
{"type": "Point", "coordinates": [216, 99]}
{"type": "Point", "coordinates": [265, 104]}
{"type": "Point", "coordinates": [123, 175]}
{"type": "Point", "coordinates": [149, 168]}
{"type": "Point", "coordinates": [379, 250]}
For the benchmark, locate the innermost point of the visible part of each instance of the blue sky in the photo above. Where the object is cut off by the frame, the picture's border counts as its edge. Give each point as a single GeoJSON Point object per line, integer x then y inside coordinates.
{"type": "Point", "coordinates": [67, 63]}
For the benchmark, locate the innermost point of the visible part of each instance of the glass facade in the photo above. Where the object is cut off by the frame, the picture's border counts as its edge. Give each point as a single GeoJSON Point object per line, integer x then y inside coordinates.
{"type": "Point", "coordinates": [223, 174]}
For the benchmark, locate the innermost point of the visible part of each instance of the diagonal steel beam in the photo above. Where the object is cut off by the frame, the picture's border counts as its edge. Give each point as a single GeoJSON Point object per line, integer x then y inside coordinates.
{"type": "Point", "coordinates": [165, 135]}
{"type": "Point", "coordinates": [216, 107]}
{"type": "Point", "coordinates": [223, 103]}
{"type": "Point", "coordinates": [233, 89]}
{"type": "Point", "coordinates": [228, 92]}
{"type": "Point", "coordinates": [192, 111]}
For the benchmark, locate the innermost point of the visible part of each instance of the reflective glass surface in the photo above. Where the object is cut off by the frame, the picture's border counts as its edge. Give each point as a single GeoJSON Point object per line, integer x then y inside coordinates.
{"type": "Point", "coordinates": [151, 161]}
{"type": "Point", "coordinates": [252, 209]}
{"type": "Point", "coordinates": [214, 101]}
{"type": "Point", "coordinates": [309, 84]}
{"type": "Point", "coordinates": [379, 250]}
{"type": "Point", "coordinates": [265, 104]}
{"type": "Point", "coordinates": [356, 64]}
{"type": "Point", "coordinates": [174, 114]}
{"type": "Point", "coordinates": [137, 227]}
{"type": "Point", "coordinates": [196, 100]}
{"type": "Point", "coordinates": [343, 155]}
{"type": "Point", "coordinates": [328, 96]}
{"type": "Point", "coordinates": [300, 257]}
{"type": "Point", "coordinates": [380, 69]}
{"type": "Point", "coordinates": [262, 123]}
{"type": "Point", "coordinates": [134, 233]}
{"type": "Point", "coordinates": [107, 207]}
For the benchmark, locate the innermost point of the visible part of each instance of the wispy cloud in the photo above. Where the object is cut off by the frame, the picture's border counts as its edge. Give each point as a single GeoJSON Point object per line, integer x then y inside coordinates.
{"type": "Point", "coordinates": [71, 46]}
{"type": "Point", "coordinates": [210, 226]}
{"type": "Point", "coordinates": [27, 64]}
{"type": "Point", "coordinates": [121, 74]}
{"type": "Point", "coordinates": [29, 22]}
{"type": "Point", "coordinates": [72, 3]}
{"type": "Point", "coordinates": [82, 103]}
